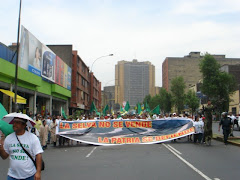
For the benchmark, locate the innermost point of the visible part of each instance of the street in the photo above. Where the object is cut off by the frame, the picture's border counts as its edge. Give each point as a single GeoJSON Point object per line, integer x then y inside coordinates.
{"type": "Point", "coordinates": [180, 160]}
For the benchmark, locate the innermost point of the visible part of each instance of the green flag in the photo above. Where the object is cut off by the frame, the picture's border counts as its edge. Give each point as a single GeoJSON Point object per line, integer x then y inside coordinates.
{"type": "Point", "coordinates": [147, 108]}
{"type": "Point", "coordinates": [121, 110]}
{"type": "Point", "coordinates": [4, 126]}
{"type": "Point", "coordinates": [105, 109]}
{"type": "Point", "coordinates": [63, 114]}
{"type": "Point", "coordinates": [93, 108]}
{"type": "Point", "coordinates": [127, 107]}
{"type": "Point", "coordinates": [156, 110]}
{"type": "Point", "coordinates": [139, 109]}
{"type": "Point", "coordinates": [3, 111]}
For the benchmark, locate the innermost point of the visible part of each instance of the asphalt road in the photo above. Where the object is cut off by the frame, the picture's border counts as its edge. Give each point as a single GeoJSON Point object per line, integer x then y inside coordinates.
{"type": "Point", "coordinates": [186, 161]}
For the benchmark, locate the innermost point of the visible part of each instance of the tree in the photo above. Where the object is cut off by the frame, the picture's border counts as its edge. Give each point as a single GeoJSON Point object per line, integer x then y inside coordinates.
{"type": "Point", "coordinates": [165, 100]}
{"type": "Point", "coordinates": [217, 85]}
{"type": "Point", "coordinates": [177, 88]}
{"type": "Point", "coordinates": [147, 99]}
{"type": "Point", "coordinates": [155, 100]}
{"type": "Point", "coordinates": [192, 101]}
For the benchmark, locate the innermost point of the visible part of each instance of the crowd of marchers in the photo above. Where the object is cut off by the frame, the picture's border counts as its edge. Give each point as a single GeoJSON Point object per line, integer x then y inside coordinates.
{"type": "Point", "coordinates": [45, 127]}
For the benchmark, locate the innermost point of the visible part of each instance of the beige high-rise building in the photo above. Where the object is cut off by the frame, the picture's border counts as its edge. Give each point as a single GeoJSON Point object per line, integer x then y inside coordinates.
{"type": "Point", "coordinates": [188, 68]}
{"type": "Point", "coordinates": [133, 81]}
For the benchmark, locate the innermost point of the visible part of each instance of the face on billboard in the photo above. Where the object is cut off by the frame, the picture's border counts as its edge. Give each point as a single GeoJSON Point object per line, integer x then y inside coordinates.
{"type": "Point", "coordinates": [35, 55]}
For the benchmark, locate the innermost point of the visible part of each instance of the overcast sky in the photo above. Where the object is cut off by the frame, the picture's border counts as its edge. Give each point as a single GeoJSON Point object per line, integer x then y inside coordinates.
{"type": "Point", "coordinates": [146, 30]}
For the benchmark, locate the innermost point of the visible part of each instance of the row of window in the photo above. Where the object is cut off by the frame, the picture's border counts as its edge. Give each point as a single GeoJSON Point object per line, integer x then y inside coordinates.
{"type": "Point", "coordinates": [81, 95]}
{"type": "Point", "coordinates": [83, 66]}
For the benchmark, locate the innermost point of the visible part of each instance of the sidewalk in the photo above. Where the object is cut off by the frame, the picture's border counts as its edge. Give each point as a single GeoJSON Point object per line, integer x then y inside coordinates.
{"type": "Point", "coordinates": [219, 136]}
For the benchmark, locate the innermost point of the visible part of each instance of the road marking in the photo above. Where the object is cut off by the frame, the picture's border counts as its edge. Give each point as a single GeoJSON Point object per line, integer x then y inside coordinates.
{"type": "Point", "coordinates": [174, 149]}
{"type": "Point", "coordinates": [91, 152]}
{"type": "Point", "coordinates": [189, 164]}
{"type": "Point", "coordinates": [216, 179]}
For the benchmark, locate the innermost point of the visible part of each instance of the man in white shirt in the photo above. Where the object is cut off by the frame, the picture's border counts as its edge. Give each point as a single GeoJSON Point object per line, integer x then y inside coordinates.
{"type": "Point", "coordinates": [21, 166]}
{"type": "Point", "coordinates": [198, 126]}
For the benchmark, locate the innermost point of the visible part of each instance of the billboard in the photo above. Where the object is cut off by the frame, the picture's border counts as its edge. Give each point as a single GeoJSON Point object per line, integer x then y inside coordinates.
{"type": "Point", "coordinates": [48, 62]}
{"type": "Point", "coordinates": [40, 60]}
{"type": "Point", "coordinates": [63, 73]}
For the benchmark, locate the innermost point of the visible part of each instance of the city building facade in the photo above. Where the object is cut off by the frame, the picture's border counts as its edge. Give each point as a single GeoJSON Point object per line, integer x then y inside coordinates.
{"type": "Point", "coordinates": [188, 68]}
{"type": "Point", "coordinates": [80, 99]}
{"type": "Point", "coordinates": [95, 91]}
{"type": "Point", "coordinates": [234, 70]}
{"type": "Point", "coordinates": [50, 97]}
{"type": "Point", "coordinates": [41, 95]}
{"type": "Point", "coordinates": [109, 97]}
{"type": "Point", "coordinates": [133, 81]}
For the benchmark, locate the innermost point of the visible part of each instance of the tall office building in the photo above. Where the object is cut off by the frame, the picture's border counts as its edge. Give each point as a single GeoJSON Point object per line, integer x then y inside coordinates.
{"type": "Point", "coordinates": [188, 68]}
{"type": "Point", "coordinates": [133, 81]}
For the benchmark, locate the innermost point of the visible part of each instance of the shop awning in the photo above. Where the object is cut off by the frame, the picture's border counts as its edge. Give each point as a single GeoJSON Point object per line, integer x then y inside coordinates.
{"type": "Point", "coordinates": [20, 100]}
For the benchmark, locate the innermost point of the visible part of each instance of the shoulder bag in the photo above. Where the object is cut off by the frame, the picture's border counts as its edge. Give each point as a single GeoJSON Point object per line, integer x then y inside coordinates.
{"type": "Point", "coordinates": [34, 162]}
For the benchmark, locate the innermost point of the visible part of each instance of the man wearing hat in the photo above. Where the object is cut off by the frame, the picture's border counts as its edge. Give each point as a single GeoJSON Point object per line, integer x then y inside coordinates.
{"type": "Point", "coordinates": [21, 166]}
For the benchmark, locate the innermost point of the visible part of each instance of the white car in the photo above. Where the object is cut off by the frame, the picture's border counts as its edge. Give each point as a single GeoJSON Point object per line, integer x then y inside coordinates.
{"type": "Point", "coordinates": [238, 118]}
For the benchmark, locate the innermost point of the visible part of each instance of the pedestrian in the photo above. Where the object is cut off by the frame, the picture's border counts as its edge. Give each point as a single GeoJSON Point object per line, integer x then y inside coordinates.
{"type": "Point", "coordinates": [49, 121]}
{"type": "Point", "coordinates": [21, 166]}
{"type": "Point", "coordinates": [43, 133]}
{"type": "Point", "coordinates": [208, 122]}
{"type": "Point", "coordinates": [61, 140]}
{"type": "Point", "coordinates": [198, 127]}
{"type": "Point", "coordinates": [53, 126]}
{"type": "Point", "coordinates": [234, 121]}
{"type": "Point", "coordinates": [226, 124]}
{"type": "Point", "coordinates": [38, 122]}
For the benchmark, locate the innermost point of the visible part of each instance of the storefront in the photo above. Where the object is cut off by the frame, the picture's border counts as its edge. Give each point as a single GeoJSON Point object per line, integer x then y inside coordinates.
{"type": "Point", "coordinates": [41, 96]}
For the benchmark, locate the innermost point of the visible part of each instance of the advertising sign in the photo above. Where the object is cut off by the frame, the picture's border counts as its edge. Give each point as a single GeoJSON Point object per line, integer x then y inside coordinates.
{"type": "Point", "coordinates": [40, 60]}
{"type": "Point", "coordinates": [63, 75]}
{"type": "Point", "coordinates": [48, 62]}
{"type": "Point", "coordinates": [128, 131]}
{"type": "Point", "coordinates": [30, 56]}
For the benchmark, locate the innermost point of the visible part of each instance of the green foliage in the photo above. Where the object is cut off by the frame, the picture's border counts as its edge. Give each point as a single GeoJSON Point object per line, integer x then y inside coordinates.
{"type": "Point", "coordinates": [192, 100]}
{"type": "Point", "coordinates": [147, 99]}
{"type": "Point", "coordinates": [178, 96]}
{"type": "Point", "coordinates": [165, 100]}
{"type": "Point", "coordinates": [217, 85]}
{"type": "Point", "coordinates": [155, 100]}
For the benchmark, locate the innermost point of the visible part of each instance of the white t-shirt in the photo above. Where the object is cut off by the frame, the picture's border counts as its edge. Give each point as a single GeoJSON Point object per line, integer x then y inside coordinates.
{"type": "Point", "coordinates": [198, 127]}
{"type": "Point", "coordinates": [232, 118]}
{"type": "Point", "coordinates": [21, 166]}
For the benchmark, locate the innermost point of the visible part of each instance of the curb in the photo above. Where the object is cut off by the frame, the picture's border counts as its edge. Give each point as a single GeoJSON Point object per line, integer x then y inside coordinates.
{"type": "Point", "coordinates": [220, 138]}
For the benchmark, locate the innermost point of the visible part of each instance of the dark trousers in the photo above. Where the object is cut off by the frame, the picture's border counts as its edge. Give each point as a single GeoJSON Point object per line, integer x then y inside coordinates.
{"type": "Point", "coordinates": [198, 137]}
{"type": "Point", "coordinates": [61, 140]}
{"type": "Point", "coordinates": [226, 133]}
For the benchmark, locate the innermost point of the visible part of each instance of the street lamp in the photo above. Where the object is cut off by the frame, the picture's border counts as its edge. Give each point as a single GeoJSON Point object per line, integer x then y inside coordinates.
{"type": "Point", "coordinates": [100, 58]}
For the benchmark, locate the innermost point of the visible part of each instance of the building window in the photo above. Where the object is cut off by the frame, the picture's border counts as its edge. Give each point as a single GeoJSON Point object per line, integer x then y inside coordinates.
{"type": "Point", "coordinates": [77, 80]}
{"type": "Point", "coordinates": [83, 68]}
{"type": "Point", "coordinates": [82, 95]}
{"type": "Point", "coordinates": [83, 82]}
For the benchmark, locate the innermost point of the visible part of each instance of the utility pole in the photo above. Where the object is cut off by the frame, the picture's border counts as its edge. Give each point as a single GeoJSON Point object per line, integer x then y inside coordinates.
{"type": "Point", "coordinates": [16, 70]}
